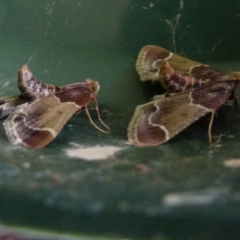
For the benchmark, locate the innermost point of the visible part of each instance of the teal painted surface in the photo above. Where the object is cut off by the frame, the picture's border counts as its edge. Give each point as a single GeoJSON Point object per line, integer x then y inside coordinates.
{"type": "Point", "coordinates": [180, 190]}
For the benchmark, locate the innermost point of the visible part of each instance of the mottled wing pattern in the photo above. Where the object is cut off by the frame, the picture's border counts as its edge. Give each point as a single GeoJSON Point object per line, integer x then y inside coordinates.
{"type": "Point", "coordinates": [158, 121]}
{"type": "Point", "coordinates": [37, 124]}
{"type": "Point", "coordinates": [151, 57]}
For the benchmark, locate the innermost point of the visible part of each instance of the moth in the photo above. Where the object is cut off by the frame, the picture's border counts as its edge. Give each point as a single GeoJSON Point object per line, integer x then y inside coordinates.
{"type": "Point", "coordinates": [193, 90]}
{"type": "Point", "coordinates": [38, 114]}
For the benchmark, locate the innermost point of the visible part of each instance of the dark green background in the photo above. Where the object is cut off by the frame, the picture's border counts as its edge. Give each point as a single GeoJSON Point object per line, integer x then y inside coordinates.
{"type": "Point", "coordinates": [67, 41]}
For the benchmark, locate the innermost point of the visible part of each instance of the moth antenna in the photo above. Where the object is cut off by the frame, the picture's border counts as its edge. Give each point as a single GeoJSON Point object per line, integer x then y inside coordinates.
{"type": "Point", "coordinates": [91, 121]}
{"type": "Point", "coordinates": [210, 127]}
{"type": "Point", "coordinates": [8, 98]}
{"type": "Point", "coordinates": [98, 114]}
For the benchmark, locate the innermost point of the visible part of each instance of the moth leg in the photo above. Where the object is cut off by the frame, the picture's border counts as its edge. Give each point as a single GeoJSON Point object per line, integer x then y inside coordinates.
{"type": "Point", "coordinates": [98, 114]}
{"type": "Point", "coordinates": [91, 121]}
{"type": "Point", "coordinates": [210, 127]}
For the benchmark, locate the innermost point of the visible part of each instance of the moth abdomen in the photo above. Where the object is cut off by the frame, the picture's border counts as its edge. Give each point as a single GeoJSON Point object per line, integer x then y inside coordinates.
{"type": "Point", "coordinates": [174, 81]}
{"type": "Point", "coordinates": [31, 88]}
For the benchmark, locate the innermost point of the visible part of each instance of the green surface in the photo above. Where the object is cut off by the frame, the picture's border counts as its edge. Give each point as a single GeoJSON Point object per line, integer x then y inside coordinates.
{"type": "Point", "coordinates": [180, 190]}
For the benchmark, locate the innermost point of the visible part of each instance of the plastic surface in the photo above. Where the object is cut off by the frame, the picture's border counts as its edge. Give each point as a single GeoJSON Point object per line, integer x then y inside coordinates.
{"type": "Point", "coordinates": [87, 182]}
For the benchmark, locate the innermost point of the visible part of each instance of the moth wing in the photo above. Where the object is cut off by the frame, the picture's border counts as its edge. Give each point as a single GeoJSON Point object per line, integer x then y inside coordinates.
{"type": "Point", "coordinates": [151, 57]}
{"type": "Point", "coordinates": [10, 104]}
{"type": "Point", "coordinates": [37, 124]}
{"type": "Point", "coordinates": [158, 121]}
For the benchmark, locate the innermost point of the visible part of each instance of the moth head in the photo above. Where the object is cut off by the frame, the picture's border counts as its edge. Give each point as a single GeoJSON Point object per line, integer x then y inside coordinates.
{"type": "Point", "coordinates": [92, 85]}
{"type": "Point", "coordinates": [235, 76]}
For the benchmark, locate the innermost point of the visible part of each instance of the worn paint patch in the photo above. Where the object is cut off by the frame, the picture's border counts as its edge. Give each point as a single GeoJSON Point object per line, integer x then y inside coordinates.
{"type": "Point", "coordinates": [232, 163]}
{"type": "Point", "coordinates": [93, 153]}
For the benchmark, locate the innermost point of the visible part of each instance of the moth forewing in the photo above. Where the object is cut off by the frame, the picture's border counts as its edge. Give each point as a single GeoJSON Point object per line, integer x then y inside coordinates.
{"type": "Point", "coordinates": [151, 57]}
{"type": "Point", "coordinates": [37, 124]}
{"type": "Point", "coordinates": [158, 121]}
{"type": "Point", "coordinates": [10, 104]}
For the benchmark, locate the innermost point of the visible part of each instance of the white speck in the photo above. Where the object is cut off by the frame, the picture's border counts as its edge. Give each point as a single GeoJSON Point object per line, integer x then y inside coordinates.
{"type": "Point", "coordinates": [26, 165]}
{"type": "Point", "coordinates": [5, 84]}
{"type": "Point", "coordinates": [151, 5]}
{"type": "Point", "coordinates": [181, 3]}
{"type": "Point", "coordinates": [93, 153]}
{"type": "Point", "coordinates": [204, 197]}
{"type": "Point", "coordinates": [175, 199]}
{"type": "Point", "coordinates": [49, 8]}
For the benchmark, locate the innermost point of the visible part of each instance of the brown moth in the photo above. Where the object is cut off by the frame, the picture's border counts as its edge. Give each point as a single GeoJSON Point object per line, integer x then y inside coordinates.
{"type": "Point", "coordinates": [159, 120]}
{"type": "Point", "coordinates": [38, 122]}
